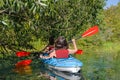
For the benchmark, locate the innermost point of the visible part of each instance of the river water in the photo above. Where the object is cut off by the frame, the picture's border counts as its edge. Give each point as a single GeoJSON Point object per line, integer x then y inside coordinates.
{"type": "Point", "coordinates": [35, 71]}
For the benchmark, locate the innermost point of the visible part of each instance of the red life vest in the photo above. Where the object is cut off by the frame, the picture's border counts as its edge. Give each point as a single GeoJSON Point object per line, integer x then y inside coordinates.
{"type": "Point", "coordinates": [62, 53]}
{"type": "Point", "coordinates": [51, 47]}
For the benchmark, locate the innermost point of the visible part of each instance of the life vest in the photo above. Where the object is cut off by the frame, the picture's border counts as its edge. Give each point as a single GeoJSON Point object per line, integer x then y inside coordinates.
{"type": "Point", "coordinates": [62, 53]}
{"type": "Point", "coordinates": [51, 47]}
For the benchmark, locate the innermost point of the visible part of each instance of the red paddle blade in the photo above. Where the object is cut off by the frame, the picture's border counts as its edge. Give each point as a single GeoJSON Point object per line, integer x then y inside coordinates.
{"type": "Point", "coordinates": [90, 31]}
{"type": "Point", "coordinates": [79, 52]}
{"type": "Point", "coordinates": [23, 63]}
{"type": "Point", "coordinates": [22, 53]}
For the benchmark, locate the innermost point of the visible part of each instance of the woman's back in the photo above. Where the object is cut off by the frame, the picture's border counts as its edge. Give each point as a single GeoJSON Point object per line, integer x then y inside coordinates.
{"type": "Point", "coordinates": [62, 53]}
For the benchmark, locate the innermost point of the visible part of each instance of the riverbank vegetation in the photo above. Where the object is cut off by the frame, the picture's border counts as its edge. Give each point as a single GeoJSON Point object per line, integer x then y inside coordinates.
{"type": "Point", "coordinates": [27, 25]}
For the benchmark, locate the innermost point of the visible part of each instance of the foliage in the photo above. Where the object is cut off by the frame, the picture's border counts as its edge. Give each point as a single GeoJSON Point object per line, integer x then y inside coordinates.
{"type": "Point", "coordinates": [25, 21]}
{"type": "Point", "coordinates": [112, 29]}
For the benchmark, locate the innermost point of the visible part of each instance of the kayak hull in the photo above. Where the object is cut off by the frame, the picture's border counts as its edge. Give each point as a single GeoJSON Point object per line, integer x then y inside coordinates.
{"type": "Point", "coordinates": [70, 64]}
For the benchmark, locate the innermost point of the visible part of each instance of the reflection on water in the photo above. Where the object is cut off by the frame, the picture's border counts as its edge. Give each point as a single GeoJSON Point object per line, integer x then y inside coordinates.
{"type": "Point", "coordinates": [49, 73]}
{"type": "Point", "coordinates": [33, 72]}
{"type": "Point", "coordinates": [53, 74]}
{"type": "Point", "coordinates": [23, 69]}
{"type": "Point", "coordinates": [58, 75]}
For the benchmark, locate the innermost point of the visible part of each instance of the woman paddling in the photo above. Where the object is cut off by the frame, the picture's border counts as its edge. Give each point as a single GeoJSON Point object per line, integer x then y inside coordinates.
{"type": "Point", "coordinates": [62, 49]}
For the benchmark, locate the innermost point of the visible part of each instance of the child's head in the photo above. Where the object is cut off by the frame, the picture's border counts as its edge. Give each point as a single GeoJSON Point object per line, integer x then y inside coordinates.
{"type": "Point", "coordinates": [61, 43]}
{"type": "Point", "coordinates": [51, 40]}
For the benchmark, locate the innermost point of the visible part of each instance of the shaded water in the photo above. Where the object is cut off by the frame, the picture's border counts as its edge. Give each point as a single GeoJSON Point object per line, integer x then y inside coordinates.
{"type": "Point", "coordinates": [36, 71]}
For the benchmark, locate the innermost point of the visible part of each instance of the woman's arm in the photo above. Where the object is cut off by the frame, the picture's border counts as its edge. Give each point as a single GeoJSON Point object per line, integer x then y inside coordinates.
{"type": "Point", "coordinates": [72, 51]}
{"type": "Point", "coordinates": [51, 55]}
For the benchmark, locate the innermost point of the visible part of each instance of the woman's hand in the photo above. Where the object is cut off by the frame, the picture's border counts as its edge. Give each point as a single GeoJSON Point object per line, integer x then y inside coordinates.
{"type": "Point", "coordinates": [45, 57]}
{"type": "Point", "coordinates": [73, 40]}
{"type": "Point", "coordinates": [41, 56]}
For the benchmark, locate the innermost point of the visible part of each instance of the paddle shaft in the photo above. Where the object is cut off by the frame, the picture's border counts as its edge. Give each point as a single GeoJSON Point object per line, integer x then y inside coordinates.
{"type": "Point", "coordinates": [75, 39]}
{"type": "Point", "coordinates": [89, 32]}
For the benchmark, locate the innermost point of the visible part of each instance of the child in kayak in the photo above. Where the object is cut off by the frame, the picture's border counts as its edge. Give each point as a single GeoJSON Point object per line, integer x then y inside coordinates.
{"type": "Point", "coordinates": [61, 49]}
{"type": "Point", "coordinates": [50, 45]}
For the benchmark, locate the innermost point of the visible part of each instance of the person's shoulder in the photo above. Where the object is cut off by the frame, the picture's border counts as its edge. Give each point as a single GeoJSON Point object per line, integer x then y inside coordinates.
{"type": "Point", "coordinates": [68, 49]}
{"type": "Point", "coordinates": [53, 52]}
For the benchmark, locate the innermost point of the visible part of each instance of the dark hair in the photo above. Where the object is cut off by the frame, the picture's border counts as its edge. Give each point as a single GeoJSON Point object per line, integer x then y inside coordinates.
{"type": "Point", "coordinates": [51, 40]}
{"type": "Point", "coordinates": [61, 43]}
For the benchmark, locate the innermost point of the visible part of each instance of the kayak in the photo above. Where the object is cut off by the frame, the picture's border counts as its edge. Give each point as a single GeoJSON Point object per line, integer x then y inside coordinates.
{"type": "Point", "coordinates": [69, 64]}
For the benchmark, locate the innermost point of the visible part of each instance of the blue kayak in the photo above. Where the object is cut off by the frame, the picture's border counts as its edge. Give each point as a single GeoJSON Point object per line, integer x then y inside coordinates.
{"type": "Point", "coordinates": [70, 64]}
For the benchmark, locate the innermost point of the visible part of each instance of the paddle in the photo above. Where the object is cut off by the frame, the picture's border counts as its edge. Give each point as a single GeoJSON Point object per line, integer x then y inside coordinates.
{"type": "Point", "coordinates": [23, 63]}
{"type": "Point", "coordinates": [91, 31]}
{"type": "Point", "coordinates": [22, 53]}
{"type": "Point", "coordinates": [79, 51]}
